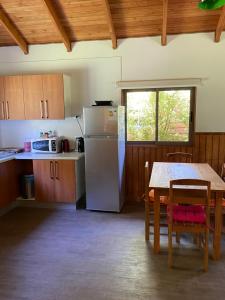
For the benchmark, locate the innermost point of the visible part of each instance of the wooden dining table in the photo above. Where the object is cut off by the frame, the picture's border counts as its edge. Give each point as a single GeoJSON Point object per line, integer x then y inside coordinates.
{"type": "Point", "coordinates": [163, 173]}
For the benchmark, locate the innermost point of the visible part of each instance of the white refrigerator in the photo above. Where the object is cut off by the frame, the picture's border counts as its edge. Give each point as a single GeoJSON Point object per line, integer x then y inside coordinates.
{"type": "Point", "coordinates": [104, 140]}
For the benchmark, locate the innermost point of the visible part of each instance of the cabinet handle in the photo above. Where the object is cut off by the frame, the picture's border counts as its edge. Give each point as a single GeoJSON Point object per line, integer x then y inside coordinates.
{"type": "Point", "coordinates": [56, 170]}
{"type": "Point", "coordinates": [41, 106]}
{"type": "Point", "coordinates": [7, 110]}
{"type": "Point", "coordinates": [3, 110]}
{"type": "Point", "coordinates": [46, 109]}
{"type": "Point", "coordinates": [51, 170]}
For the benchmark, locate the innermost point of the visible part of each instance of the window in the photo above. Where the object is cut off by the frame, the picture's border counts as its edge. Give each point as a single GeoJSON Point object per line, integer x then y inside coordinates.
{"type": "Point", "coordinates": [159, 115]}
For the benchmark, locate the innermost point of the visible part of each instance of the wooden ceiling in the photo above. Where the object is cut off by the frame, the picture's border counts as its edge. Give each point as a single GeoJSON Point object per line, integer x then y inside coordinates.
{"type": "Point", "coordinates": [27, 22]}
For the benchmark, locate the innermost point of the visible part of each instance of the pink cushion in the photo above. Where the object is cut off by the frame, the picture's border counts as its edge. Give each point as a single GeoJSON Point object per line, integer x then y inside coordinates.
{"type": "Point", "coordinates": [189, 214]}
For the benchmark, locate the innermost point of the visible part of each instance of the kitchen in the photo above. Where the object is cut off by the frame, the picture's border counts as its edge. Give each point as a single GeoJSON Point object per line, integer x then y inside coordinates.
{"type": "Point", "coordinates": [59, 171]}
{"type": "Point", "coordinates": [28, 90]}
{"type": "Point", "coordinates": [54, 249]}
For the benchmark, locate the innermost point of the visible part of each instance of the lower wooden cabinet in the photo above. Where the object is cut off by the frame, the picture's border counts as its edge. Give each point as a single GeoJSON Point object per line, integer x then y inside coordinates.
{"type": "Point", "coordinates": [8, 183]}
{"type": "Point", "coordinates": [55, 180]}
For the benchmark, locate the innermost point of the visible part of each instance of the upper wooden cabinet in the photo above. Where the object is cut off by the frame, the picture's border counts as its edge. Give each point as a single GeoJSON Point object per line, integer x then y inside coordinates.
{"type": "Point", "coordinates": [46, 96]}
{"type": "Point", "coordinates": [35, 97]}
{"type": "Point", "coordinates": [53, 90]}
{"type": "Point", "coordinates": [11, 97]}
{"type": "Point", "coordinates": [2, 99]}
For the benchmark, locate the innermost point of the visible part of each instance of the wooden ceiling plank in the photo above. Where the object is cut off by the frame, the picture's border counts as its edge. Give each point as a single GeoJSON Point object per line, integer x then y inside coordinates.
{"type": "Point", "coordinates": [164, 23]}
{"type": "Point", "coordinates": [110, 23]}
{"type": "Point", "coordinates": [220, 25]}
{"type": "Point", "coordinates": [60, 28]}
{"type": "Point", "coordinates": [13, 31]}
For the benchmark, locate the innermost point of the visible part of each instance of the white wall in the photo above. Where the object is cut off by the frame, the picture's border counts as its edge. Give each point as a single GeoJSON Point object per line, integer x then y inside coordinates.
{"type": "Point", "coordinates": [95, 68]}
{"type": "Point", "coordinates": [92, 79]}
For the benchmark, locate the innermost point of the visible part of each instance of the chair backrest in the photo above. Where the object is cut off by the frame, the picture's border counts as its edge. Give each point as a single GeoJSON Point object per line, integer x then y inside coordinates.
{"type": "Point", "coordinates": [223, 172]}
{"type": "Point", "coordinates": [147, 177]}
{"type": "Point", "coordinates": [190, 191]}
{"type": "Point", "coordinates": [179, 157]}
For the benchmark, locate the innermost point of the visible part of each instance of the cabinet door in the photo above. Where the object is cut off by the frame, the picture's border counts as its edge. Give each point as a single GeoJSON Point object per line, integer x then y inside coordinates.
{"type": "Point", "coordinates": [53, 90]}
{"type": "Point", "coordinates": [2, 98]}
{"type": "Point", "coordinates": [14, 105]}
{"type": "Point", "coordinates": [44, 180]}
{"type": "Point", "coordinates": [8, 183]}
{"type": "Point", "coordinates": [65, 181]}
{"type": "Point", "coordinates": [33, 97]}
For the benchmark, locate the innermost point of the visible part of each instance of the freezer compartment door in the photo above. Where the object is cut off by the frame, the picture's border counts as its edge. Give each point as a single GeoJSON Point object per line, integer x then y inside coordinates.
{"type": "Point", "coordinates": [100, 120]}
{"type": "Point", "coordinates": [102, 174]}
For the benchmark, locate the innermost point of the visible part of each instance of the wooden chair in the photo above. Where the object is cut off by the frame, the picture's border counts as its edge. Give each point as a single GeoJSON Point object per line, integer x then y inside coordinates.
{"type": "Point", "coordinates": [149, 202]}
{"type": "Point", "coordinates": [184, 157]}
{"type": "Point", "coordinates": [192, 218]}
{"type": "Point", "coordinates": [150, 197]}
{"type": "Point", "coordinates": [223, 203]}
{"type": "Point", "coordinates": [179, 157]}
{"type": "Point", "coordinates": [223, 172]}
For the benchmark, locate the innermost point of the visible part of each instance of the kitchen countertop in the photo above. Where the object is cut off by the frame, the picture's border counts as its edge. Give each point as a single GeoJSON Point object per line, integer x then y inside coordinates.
{"type": "Point", "coordinates": [33, 156]}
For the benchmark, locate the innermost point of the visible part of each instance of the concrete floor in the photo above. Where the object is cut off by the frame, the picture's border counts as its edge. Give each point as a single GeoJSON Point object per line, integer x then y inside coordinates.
{"type": "Point", "coordinates": [57, 255]}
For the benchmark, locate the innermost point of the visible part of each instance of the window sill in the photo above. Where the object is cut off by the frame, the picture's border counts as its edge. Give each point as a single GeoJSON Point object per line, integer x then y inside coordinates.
{"type": "Point", "coordinates": [157, 144]}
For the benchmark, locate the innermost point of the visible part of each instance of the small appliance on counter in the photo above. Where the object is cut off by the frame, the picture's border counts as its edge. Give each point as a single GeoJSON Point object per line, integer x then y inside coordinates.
{"type": "Point", "coordinates": [47, 145]}
{"type": "Point", "coordinates": [79, 144]}
{"type": "Point", "coordinates": [103, 103]}
{"type": "Point", "coordinates": [65, 145]}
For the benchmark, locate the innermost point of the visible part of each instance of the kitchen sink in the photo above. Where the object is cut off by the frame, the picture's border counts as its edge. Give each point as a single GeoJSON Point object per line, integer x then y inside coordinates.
{"type": "Point", "coordinates": [9, 151]}
{"type": "Point", "coordinates": [4, 154]}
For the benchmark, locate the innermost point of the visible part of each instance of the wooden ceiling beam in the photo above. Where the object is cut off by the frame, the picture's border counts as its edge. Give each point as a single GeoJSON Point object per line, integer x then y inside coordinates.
{"type": "Point", "coordinates": [13, 31]}
{"type": "Point", "coordinates": [164, 23]}
{"type": "Point", "coordinates": [53, 14]}
{"type": "Point", "coordinates": [220, 25]}
{"type": "Point", "coordinates": [110, 23]}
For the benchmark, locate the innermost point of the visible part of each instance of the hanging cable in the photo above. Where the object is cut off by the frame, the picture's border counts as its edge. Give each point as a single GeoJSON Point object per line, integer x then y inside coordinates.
{"type": "Point", "coordinates": [77, 118]}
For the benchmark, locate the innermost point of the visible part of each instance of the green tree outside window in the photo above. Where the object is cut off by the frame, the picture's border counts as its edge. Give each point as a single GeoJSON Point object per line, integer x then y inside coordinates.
{"type": "Point", "coordinates": [172, 108]}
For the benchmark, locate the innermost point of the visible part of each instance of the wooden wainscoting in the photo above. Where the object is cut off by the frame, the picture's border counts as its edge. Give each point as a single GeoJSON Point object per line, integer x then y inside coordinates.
{"type": "Point", "coordinates": [207, 148]}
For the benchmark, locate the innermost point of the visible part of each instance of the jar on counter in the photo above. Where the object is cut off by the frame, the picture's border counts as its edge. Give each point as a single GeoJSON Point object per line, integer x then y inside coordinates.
{"type": "Point", "coordinates": [27, 146]}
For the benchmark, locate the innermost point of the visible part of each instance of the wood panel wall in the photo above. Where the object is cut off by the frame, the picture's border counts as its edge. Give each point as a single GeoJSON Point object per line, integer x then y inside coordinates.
{"type": "Point", "coordinates": [207, 148]}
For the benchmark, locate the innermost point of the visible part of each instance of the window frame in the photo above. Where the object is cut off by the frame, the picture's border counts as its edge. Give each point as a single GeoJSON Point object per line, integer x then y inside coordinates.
{"type": "Point", "coordinates": [191, 115]}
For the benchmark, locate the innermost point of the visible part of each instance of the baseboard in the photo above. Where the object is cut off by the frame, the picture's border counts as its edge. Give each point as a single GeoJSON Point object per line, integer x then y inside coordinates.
{"type": "Point", "coordinates": [32, 203]}
{"type": "Point", "coordinates": [7, 209]}
{"type": "Point", "coordinates": [35, 204]}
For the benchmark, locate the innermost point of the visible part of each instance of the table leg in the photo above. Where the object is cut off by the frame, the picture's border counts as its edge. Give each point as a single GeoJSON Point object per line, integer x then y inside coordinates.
{"type": "Point", "coordinates": [218, 227]}
{"type": "Point", "coordinates": [156, 222]}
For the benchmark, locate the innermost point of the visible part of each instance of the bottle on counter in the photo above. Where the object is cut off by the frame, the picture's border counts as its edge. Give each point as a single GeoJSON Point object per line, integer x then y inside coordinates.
{"type": "Point", "coordinates": [27, 145]}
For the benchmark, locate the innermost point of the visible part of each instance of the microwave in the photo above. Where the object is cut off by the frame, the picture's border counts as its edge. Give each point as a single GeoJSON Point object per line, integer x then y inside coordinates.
{"type": "Point", "coordinates": [46, 145]}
